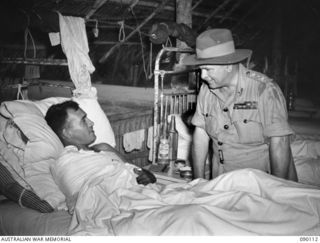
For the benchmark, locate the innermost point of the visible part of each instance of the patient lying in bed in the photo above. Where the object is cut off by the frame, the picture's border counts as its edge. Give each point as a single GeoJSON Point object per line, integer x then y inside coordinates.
{"type": "Point", "coordinates": [80, 161]}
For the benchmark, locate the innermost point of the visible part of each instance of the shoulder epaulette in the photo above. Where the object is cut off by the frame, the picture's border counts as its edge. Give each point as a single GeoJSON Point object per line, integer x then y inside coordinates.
{"type": "Point", "coordinates": [258, 76]}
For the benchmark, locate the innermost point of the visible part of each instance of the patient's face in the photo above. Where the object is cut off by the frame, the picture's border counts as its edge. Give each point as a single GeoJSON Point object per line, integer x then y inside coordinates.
{"type": "Point", "coordinates": [79, 129]}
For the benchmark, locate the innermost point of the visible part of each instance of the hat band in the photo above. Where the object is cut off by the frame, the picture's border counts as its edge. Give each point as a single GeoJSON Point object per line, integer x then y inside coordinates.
{"type": "Point", "coordinates": [216, 51]}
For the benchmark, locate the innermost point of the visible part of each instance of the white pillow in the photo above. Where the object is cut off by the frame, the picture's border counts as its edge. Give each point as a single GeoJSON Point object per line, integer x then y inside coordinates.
{"type": "Point", "coordinates": [10, 109]}
{"type": "Point", "coordinates": [43, 143]}
{"type": "Point", "coordinates": [11, 150]}
{"type": "Point", "coordinates": [42, 148]}
{"type": "Point", "coordinates": [101, 127]}
{"type": "Point", "coordinates": [43, 105]}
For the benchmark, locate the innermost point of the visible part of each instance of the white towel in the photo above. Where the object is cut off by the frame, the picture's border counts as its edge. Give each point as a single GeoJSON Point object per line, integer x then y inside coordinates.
{"type": "Point", "coordinates": [74, 44]}
{"type": "Point", "coordinates": [133, 140]}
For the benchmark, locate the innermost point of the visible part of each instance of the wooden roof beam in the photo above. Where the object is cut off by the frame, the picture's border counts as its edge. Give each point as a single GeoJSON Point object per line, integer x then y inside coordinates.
{"type": "Point", "coordinates": [96, 6]}
{"type": "Point", "coordinates": [35, 61]}
{"type": "Point", "coordinates": [153, 5]}
{"type": "Point", "coordinates": [158, 9]}
{"type": "Point", "coordinates": [196, 4]}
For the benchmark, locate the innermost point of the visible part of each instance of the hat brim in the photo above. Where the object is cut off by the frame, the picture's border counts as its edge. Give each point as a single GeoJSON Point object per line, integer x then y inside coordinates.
{"type": "Point", "coordinates": [237, 56]}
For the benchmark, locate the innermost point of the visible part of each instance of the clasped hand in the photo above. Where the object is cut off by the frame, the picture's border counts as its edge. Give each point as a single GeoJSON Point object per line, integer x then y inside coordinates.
{"type": "Point", "coordinates": [144, 176]}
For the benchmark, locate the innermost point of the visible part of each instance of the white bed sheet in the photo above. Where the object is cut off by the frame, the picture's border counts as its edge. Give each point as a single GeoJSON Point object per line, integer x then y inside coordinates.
{"type": "Point", "coordinates": [243, 202]}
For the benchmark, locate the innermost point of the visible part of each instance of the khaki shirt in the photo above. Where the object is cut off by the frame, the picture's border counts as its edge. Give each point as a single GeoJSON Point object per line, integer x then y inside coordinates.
{"type": "Point", "coordinates": [240, 130]}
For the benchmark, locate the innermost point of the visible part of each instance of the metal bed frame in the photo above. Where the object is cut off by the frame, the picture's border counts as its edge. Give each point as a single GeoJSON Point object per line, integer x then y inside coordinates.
{"type": "Point", "coordinates": [176, 102]}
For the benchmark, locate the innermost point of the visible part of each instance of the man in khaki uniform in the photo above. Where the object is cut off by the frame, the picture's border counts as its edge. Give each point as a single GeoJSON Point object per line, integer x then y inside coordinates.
{"type": "Point", "coordinates": [242, 111]}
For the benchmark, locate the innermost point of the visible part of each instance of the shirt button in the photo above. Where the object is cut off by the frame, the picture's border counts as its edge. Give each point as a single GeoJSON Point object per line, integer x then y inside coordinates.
{"type": "Point", "coordinates": [220, 143]}
{"type": "Point", "coordinates": [225, 109]}
{"type": "Point", "coordinates": [245, 121]}
{"type": "Point", "coordinates": [226, 127]}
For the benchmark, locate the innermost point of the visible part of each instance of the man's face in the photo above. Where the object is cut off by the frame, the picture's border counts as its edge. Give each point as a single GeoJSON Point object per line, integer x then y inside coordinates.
{"type": "Point", "coordinates": [215, 75]}
{"type": "Point", "coordinates": [79, 128]}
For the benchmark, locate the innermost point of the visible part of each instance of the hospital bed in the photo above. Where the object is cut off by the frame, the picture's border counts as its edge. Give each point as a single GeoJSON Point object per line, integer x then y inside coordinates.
{"type": "Point", "coordinates": [239, 194]}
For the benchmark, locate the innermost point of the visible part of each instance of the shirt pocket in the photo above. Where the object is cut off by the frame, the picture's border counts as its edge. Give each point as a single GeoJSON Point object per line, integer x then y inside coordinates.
{"type": "Point", "coordinates": [210, 124]}
{"type": "Point", "coordinates": [249, 131]}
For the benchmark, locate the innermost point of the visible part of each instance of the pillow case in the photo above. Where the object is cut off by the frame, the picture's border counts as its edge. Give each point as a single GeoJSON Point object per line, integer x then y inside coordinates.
{"type": "Point", "coordinates": [12, 149]}
{"type": "Point", "coordinates": [101, 127]}
{"type": "Point", "coordinates": [42, 148]}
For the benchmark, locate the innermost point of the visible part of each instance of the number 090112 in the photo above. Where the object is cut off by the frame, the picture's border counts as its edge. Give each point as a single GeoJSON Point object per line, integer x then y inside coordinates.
{"type": "Point", "coordinates": [309, 238]}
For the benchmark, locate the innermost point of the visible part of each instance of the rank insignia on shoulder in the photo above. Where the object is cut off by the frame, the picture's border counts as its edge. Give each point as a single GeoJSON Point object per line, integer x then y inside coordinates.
{"type": "Point", "coordinates": [247, 105]}
{"type": "Point", "coordinates": [257, 76]}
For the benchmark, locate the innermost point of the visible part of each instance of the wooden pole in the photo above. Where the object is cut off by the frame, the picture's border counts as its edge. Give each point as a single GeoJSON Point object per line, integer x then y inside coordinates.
{"type": "Point", "coordinates": [184, 12]}
{"type": "Point", "coordinates": [158, 9]}
{"type": "Point", "coordinates": [183, 16]}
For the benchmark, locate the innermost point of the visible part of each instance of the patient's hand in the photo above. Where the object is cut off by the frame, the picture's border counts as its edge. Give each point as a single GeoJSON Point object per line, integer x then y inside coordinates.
{"type": "Point", "coordinates": [144, 176]}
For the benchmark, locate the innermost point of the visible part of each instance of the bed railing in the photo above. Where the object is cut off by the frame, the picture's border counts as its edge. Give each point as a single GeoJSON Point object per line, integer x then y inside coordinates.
{"type": "Point", "coordinates": [169, 102]}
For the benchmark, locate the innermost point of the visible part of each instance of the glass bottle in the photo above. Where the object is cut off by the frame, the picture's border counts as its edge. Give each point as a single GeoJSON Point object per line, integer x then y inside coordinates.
{"type": "Point", "coordinates": [163, 152]}
{"type": "Point", "coordinates": [173, 139]}
{"type": "Point", "coordinates": [164, 147]}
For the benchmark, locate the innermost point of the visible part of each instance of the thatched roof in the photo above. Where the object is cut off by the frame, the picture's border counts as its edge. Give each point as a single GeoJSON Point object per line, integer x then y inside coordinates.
{"type": "Point", "coordinates": [267, 26]}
